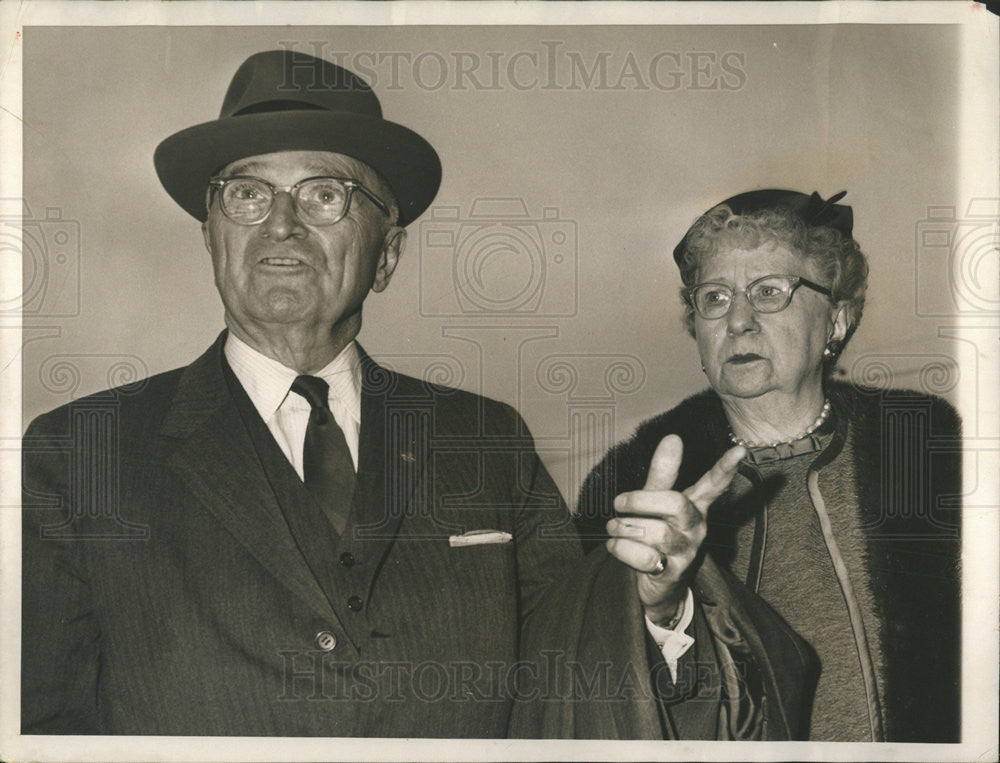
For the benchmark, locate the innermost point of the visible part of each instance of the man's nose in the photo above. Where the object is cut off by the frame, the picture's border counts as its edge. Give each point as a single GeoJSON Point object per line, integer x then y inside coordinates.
{"type": "Point", "coordinates": [282, 221]}
{"type": "Point", "coordinates": [742, 317]}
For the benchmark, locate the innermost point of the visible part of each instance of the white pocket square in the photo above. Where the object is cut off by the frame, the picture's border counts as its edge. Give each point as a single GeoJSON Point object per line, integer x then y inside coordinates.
{"type": "Point", "coordinates": [478, 537]}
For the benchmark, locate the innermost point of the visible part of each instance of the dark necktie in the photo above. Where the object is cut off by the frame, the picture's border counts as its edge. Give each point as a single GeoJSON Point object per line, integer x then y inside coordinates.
{"type": "Point", "coordinates": [326, 460]}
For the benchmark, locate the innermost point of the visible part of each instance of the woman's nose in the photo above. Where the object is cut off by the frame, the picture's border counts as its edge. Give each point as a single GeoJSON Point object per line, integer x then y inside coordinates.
{"type": "Point", "coordinates": [741, 317]}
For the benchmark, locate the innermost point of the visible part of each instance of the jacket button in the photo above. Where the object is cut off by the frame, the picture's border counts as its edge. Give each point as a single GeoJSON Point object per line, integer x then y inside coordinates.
{"type": "Point", "coordinates": [354, 603]}
{"type": "Point", "coordinates": [326, 641]}
{"type": "Point", "coordinates": [347, 559]}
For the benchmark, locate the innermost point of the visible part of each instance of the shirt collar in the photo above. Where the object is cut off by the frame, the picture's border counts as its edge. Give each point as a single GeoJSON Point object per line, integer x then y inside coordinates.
{"type": "Point", "coordinates": [267, 381]}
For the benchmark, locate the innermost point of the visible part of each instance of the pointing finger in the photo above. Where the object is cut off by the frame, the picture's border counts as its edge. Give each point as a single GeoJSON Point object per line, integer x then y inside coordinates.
{"type": "Point", "coordinates": [665, 463]}
{"type": "Point", "coordinates": [715, 481]}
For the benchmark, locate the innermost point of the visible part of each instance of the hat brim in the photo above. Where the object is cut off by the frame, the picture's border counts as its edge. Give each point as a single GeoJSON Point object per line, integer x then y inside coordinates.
{"type": "Point", "coordinates": [186, 160]}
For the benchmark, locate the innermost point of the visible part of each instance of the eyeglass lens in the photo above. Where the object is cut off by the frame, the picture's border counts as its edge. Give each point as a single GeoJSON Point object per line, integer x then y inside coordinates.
{"type": "Point", "coordinates": [317, 201]}
{"type": "Point", "coordinates": [770, 294]}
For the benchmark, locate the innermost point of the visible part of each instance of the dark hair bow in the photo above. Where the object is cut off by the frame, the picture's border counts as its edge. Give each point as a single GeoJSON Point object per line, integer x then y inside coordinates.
{"type": "Point", "coordinates": [829, 213]}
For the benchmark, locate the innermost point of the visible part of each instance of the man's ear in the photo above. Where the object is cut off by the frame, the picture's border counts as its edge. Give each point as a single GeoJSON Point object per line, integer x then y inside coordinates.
{"type": "Point", "coordinates": [204, 234]}
{"type": "Point", "coordinates": [392, 250]}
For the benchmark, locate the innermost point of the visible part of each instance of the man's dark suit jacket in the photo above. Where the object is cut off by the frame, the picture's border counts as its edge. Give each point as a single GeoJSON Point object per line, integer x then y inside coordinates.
{"type": "Point", "coordinates": [163, 592]}
{"type": "Point", "coordinates": [587, 673]}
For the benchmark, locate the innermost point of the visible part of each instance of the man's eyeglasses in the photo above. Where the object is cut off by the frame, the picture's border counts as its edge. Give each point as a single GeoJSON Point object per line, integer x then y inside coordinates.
{"type": "Point", "coordinates": [317, 200]}
{"type": "Point", "coordinates": [769, 294]}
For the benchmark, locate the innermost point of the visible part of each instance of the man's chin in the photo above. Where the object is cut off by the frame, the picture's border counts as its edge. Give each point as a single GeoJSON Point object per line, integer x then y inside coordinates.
{"type": "Point", "coordinates": [276, 316]}
{"type": "Point", "coordinates": [285, 305]}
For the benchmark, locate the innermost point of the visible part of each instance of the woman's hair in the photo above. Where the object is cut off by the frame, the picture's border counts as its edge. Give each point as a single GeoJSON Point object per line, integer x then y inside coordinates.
{"type": "Point", "coordinates": [837, 257]}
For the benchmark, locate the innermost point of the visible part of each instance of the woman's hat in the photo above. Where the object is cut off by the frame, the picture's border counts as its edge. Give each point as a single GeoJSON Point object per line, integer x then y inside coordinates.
{"type": "Point", "coordinates": [812, 210]}
{"type": "Point", "coordinates": [282, 100]}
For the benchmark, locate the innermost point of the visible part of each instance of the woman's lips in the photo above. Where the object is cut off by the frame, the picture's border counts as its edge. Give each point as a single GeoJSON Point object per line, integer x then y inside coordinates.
{"type": "Point", "coordinates": [748, 357]}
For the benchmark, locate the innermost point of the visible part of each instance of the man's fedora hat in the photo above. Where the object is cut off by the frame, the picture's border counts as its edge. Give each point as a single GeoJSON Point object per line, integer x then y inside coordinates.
{"type": "Point", "coordinates": [282, 100]}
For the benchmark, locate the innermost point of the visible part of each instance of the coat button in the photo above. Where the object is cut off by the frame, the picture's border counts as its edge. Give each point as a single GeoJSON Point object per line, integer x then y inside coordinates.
{"type": "Point", "coordinates": [354, 603]}
{"type": "Point", "coordinates": [347, 559]}
{"type": "Point", "coordinates": [326, 641]}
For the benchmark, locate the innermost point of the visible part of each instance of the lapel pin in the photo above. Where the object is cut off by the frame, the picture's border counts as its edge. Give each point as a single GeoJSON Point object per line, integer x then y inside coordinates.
{"type": "Point", "coordinates": [408, 457]}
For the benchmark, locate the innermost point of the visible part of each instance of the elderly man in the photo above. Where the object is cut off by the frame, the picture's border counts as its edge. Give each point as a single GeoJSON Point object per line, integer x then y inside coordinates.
{"type": "Point", "coordinates": [315, 545]}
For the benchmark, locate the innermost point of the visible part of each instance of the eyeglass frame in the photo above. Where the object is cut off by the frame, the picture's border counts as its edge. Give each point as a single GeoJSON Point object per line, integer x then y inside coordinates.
{"type": "Point", "coordinates": [349, 183]}
{"type": "Point", "coordinates": [796, 282]}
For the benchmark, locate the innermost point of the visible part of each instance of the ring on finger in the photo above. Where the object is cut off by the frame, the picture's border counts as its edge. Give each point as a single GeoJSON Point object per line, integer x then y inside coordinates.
{"type": "Point", "coordinates": [661, 566]}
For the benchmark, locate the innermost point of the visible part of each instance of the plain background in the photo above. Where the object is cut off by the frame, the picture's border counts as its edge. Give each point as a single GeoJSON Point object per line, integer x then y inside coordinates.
{"type": "Point", "coordinates": [567, 305]}
{"type": "Point", "coordinates": [903, 116]}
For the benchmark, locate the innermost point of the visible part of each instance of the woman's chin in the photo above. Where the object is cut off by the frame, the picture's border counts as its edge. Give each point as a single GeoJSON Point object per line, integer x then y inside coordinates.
{"type": "Point", "coordinates": [745, 381]}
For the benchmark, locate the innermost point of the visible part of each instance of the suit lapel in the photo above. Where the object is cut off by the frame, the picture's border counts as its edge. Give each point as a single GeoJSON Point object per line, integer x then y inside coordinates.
{"type": "Point", "coordinates": [215, 457]}
{"type": "Point", "coordinates": [392, 457]}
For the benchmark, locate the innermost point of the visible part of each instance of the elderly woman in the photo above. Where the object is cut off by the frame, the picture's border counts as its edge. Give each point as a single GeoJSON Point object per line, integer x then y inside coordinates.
{"type": "Point", "coordinates": [838, 514]}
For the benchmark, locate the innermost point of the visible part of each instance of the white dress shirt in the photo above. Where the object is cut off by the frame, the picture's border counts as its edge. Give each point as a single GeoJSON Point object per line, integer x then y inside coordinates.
{"type": "Point", "coordinates": [674, 642]}
{"type": "Point", "coordinates": [268, 384]}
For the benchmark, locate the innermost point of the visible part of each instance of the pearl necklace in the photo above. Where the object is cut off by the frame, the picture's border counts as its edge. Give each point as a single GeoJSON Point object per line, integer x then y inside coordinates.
{"type": "Point", "coordinates": [823, 416]}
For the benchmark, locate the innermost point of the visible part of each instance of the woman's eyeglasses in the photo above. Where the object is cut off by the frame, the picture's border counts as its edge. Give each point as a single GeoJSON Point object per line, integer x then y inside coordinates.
{"type": "Point", "coordinates": [768, 294]}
